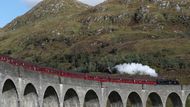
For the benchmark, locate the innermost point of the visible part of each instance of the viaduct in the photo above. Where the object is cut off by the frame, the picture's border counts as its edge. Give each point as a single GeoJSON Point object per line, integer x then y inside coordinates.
{"type": "Point", "coordinates": [21, 87]}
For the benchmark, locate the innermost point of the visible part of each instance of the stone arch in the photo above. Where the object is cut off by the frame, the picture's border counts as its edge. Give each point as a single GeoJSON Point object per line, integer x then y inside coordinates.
{"type": "Point", "coordinates": [91, 99]}
{"type": "Point", "coordinates": [114, 100]}
{"type": "Point", "coordinates": [10, 95]}
{"type": "Point", "coordinates": [173, 100]}
{"type": "Point", "coordinates": [30, 96]}
{"type": "Point", "coordinates": [50, 98]}
{"type": "Point", "coordinates": [134, 100]}
{"type": "Point", "coordinates": [187, 102]}
{"type": "Point", "coordinates": [154, 100]}
{"type": "Point", "coordinates": [71, 99]}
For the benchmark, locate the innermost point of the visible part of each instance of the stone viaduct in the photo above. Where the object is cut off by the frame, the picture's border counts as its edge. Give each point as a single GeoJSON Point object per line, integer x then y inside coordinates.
{"type": "Point", "coordinates": [24, 88]}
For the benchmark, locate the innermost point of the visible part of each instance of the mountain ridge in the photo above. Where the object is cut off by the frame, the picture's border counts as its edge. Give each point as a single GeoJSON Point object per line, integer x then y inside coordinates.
{"type": "Point", "coordinates": [44, 9]}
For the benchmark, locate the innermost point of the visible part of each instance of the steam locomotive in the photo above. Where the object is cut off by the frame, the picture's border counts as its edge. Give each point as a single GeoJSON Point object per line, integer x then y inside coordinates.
{"type": "Point", "coordinates": [86, 76]}
{"type": "Point", "coordinates": [167, 82]}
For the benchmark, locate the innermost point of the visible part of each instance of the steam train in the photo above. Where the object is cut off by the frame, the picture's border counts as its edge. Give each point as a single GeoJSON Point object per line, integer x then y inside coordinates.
{"type": "Point", "coordinates": [86, 76]}
{"type": "Point", "coordinates": [167, 82]}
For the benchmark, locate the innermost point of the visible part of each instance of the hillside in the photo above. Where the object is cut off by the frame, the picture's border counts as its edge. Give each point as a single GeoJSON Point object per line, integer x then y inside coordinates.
{"type": "Point", "coordinates": [1, 30]}
{"type": "Point", "coordinates": [68, 35]}
{"type": "Point", "coordinates": [47, 9]}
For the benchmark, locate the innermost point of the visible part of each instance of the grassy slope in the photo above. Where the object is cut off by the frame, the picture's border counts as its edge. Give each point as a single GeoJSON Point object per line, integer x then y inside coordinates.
{"type": "Point", "coordinates": [159, 38]}
{"type": "Point", "coordinates": [73, 38]}
{"type": "Point", "coordinates": [45, 10]}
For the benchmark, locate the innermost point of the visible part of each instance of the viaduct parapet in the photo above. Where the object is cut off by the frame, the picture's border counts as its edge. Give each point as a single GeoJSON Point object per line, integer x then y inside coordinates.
{"type": "Point", "coordinates": [20, 87]}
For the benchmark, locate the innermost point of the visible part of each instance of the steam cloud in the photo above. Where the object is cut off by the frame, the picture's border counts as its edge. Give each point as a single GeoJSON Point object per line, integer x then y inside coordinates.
{"type": "Point", "coordinates": [135, 68]}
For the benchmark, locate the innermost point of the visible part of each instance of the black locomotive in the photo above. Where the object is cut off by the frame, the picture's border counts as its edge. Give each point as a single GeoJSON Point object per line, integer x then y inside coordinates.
{"type": "Point", "coordinates": [167, 82]}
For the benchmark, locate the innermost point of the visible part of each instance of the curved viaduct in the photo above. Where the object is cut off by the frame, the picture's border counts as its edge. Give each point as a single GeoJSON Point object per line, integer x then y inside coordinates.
{"type": "Point", "coordinates": [24, 88]}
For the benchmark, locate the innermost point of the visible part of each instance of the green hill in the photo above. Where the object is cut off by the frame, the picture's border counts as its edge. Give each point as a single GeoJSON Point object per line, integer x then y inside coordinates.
{"type": "Point", "coordinates": [47, 9]}
{"type": "Point", "coordinates": [68, 35]}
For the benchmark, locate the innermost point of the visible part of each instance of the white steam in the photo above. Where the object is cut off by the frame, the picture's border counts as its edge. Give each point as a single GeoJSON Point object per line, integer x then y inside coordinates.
{"type": "Point", "coordinates": [135, 68]}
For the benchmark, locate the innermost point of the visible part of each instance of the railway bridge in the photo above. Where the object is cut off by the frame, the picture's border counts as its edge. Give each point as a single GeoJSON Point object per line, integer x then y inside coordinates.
{"type": "Point", "coordinates": [23, 85]}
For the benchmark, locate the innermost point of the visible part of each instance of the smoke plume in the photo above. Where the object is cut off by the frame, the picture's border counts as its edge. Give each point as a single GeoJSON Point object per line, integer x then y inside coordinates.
{"type": "Point", "coordinates": [135, 68]}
